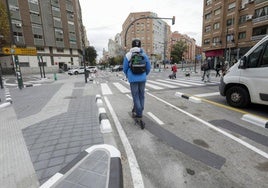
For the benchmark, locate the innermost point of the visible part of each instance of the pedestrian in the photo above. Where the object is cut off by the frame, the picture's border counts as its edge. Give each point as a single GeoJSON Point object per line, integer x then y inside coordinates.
{"type": "Point", "coordinates": [206, 68]}
{"type": "Point", "coordinates": [174, 69]}
{"type": "Point", "coordinates": [218, 68]}
{"type": "Point", "coordinates": [137, 79]}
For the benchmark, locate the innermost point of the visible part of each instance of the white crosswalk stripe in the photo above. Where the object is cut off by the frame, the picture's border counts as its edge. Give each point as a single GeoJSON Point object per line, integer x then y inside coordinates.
{"type": "Point", "coordinates": [161, 84]}
{"type": "Point", "coordinates": [121, 88]}
{"type": "Point", "coordinates": [175, 82]}
{"type": "Point", "coordinates": [105, 89]}
{"type": "Point", "coordinates": [158, 84]}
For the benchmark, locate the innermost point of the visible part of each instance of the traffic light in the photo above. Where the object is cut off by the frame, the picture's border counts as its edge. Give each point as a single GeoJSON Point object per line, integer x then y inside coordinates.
{"type": "Point", "coordinates": [173, 20]}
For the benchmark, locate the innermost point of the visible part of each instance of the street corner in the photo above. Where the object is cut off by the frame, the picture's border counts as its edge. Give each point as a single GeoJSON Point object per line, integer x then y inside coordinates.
{"type": "Point", "coordinates": [106, 157]}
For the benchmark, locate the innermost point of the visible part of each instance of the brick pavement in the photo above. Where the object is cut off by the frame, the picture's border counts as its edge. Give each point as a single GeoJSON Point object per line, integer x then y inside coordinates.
{"type": "Point", "coordinates": [45, 128]}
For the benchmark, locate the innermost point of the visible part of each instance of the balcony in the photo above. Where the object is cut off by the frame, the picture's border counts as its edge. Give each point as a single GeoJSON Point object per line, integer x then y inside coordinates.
{"type": "Point", "coordinates": [260, 19]}
{"type": "Point", "coordinates": [258, 37]}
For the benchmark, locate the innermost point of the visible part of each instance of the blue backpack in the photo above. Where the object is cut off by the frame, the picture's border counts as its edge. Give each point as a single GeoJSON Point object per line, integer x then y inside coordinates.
{"type": "Point", "coordinates": [137, 63]}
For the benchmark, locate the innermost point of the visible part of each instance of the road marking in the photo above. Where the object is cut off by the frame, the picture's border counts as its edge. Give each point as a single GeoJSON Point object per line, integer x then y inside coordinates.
{"type": "Point", "coordinates": [105, 89]}
{"type": "Point", "coordinates": [249, 146]}
{"type": "Point", "coordinates": [161, 84]}
{"type": "Point", "coordinates": [186, 83]}
{"type": "Point", "coordinates": [207, 94]}
{"type": "Point", "coordinates": [129, 96]}
{"type": "Point", "coordinates": [153, 86]}
{"type": "Point", "coordinates": [122, 88]}
{"type": "Point", "coordinates": [251, 118]}
{"type": "Point", "coordinates": [155, 118]}
{"type": "Point", "coordinates": [133, 164]}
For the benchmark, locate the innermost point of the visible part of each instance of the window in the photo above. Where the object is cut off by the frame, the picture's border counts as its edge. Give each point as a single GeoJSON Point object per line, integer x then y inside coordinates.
{"type": "Point", "coordinates": [216, 26]}
{"type": "Point", "coordinates": [207, 28]}
{"type": "Point", "coordinates": [242, 35]}
{"type": "Point", "coordinates": [33, 1]}
{"type": "Point", "coordinates": [231, 6]}
{"type": "Point", "coordinates": [264, 62]}
{"type": "Point", "coordinates": [34, 13]}
{"type": "Point", "coordinates": [242, 19]}
{"type": "Point", "coordinates": [217, 12]}
{"type": "Point", "coordinates": [208, 16]}
{"type": "Point", "coordinates": [230, 22]}
{"type": "Point", "coordinates": [216, 40]}
{"type": "Point", "coordinates": [254, 57]}
{"type": "Point", "coordinates": [208, 2]}
{"type": "Point", "coordinates": [60, 50]}
{"type": "Point", "coordinates": [261, 12]}
{"type": "Point", "coordinates": [263, 30]}
{"type": "Point", "coordinates": [40, 48]}
{"type": "Point", "coordinates": [38, 36]}
{"type": "Point", "coordinates": [59, 31]}
{"type": "Point", "coordinates": [59, 39]}
{"type": "Point", "coordinates": [17, 34]}
{"type": "Point", "coordinates": [207, 41]}
{"type": "Point", "coordinates": [55, 9]}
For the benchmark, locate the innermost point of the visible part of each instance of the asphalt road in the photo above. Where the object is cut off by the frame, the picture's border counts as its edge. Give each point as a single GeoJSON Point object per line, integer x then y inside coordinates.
{"type": "Point", "coordinates": [184, 143]}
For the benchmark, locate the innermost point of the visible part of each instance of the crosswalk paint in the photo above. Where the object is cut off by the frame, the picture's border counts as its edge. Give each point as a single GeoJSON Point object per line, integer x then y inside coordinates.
{"type": "Point", "coordinates": [105, 89]}
{"type": "Point", "coordinates": [153, 86]}
{"type": "Point", "coordinates": [189, 83]}
{"type": "Point", "coordinates": [174, 82]}
{"type": "Point", "coordinates": [161, 84]}
{"type": "Point", "coordinates": [121, 88]}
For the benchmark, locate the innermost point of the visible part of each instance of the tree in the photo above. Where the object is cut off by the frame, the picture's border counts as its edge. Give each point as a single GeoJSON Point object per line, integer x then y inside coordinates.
{"type": "Point", "coordinates": [177, 51]}
{"type": "Point", "coordinates": [91, 55]}
{"type": "Point", "coordinates": [4, 24]}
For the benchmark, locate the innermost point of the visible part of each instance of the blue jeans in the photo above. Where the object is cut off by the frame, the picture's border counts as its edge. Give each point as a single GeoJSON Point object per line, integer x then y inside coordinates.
{"type": "Point", "coordinates": [137, 92]}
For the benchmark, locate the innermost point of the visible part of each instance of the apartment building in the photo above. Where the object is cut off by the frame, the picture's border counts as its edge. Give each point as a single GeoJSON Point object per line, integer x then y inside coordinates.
{"type": "Point", "coordinates": [231, 27]}
{"type": "Point", "coordinates": [189, 55]}
{"type": "Point", "coordinates": [153, 33]}
{"type": "Point", "coordinates": [53, 27]}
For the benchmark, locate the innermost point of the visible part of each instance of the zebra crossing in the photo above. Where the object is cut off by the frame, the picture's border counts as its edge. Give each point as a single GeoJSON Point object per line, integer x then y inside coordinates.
{"type": "Point", "coordinates": [158, 84]}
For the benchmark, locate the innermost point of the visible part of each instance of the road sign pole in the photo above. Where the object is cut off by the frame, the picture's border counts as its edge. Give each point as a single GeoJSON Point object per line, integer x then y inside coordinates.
{"type": "Point", "coordinates": [18, 72]}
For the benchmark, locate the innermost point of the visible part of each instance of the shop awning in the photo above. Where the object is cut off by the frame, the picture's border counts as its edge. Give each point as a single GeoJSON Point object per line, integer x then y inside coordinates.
{"type": "Point", "coordinates": [214, 53]}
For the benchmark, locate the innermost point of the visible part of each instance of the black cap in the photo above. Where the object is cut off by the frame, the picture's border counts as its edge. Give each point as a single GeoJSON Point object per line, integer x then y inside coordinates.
{"type": "Point", "coordinates": [136, 43]}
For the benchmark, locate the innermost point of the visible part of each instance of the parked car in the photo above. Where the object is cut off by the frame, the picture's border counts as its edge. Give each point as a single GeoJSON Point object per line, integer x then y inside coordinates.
{"type": "Point", "coordinates": [75, 71]}
{"type": "Point", "coordinates": [92, 69]}
{"type": "Point", "coordinates": [117, 68]}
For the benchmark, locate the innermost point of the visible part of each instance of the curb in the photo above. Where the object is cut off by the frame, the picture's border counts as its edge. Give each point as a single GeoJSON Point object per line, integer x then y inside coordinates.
{"type": "Point", "coordinates": [114, 172]}
{"type": "Point", "coordinates": [8, 99]}
{"type": "Point", "coordinates": [105, 124]}
{"type": "Point", "coordinates": [255, 120]}
{"type": "Point", "coordinates": [190, 98]}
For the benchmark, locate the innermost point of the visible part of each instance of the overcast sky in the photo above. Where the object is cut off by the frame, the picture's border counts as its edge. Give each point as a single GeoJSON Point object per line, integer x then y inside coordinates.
{"type": "Point", "coordinates": [103, 19]}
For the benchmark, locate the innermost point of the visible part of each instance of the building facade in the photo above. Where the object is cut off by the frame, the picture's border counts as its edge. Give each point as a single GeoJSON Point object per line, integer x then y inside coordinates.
{"type": "Point", "coordinates": [153, 33]}
{"type": "Point", "coordinates": [232, 27]}
{"type": "Point", "coordinates": [189, 55]}
{"type": "Point", "coordinates": [53, 27]}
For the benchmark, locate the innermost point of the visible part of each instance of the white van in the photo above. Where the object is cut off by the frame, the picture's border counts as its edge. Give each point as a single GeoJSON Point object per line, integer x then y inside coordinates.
{"type": "Point", "coordinates": [247, 80]}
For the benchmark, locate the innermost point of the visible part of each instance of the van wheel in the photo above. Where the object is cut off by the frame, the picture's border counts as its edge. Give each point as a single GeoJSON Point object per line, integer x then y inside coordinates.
{"type": "Point", "coordinates": [75, 73]}
{"type": "Point", "coordinates": [237, 96]}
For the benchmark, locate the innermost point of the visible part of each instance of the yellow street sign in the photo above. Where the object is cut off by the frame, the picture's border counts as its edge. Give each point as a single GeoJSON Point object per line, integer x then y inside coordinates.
{"type": "Point", "coordinates": [19, 51]}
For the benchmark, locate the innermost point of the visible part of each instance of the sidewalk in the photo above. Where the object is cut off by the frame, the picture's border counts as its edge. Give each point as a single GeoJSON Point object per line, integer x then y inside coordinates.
{"type": "Point", "coordinates": [51, 137]}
